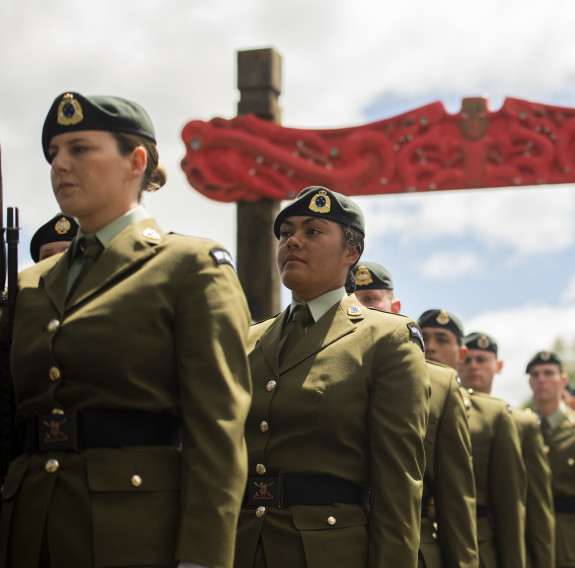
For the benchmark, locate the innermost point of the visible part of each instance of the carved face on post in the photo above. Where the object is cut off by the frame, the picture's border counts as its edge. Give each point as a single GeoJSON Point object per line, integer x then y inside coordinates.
{"type": "Point", "coordinates": [474, 121]}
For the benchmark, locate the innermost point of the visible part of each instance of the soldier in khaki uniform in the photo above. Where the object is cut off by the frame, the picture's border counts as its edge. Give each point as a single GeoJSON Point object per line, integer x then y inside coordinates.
{"type": "Point", "coordinates": [547, 380]}
{"type": "Point", "coordinates": [53, 237]}
{"type": "Point", "coordinates": [477, 371]}
{"type": "Point", "coordinates": [339, 413]}
{"type": "Point", "coordinates": [500, 477]}
{"type": "Point", "coordinates": [448, 525]}
{"type": "Point", "coordinates": [130, 376]}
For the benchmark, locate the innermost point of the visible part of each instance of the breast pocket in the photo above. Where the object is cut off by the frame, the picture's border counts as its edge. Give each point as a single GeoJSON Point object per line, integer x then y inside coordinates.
{"type": "Point", "coordinates": [135, 506]}
{"type": "Point", "coordinates": [333, 535]}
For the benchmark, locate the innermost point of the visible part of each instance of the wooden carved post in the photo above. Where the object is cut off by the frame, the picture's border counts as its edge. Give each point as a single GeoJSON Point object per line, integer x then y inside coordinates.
{"type": "Point", "coordinates": [259, 83]}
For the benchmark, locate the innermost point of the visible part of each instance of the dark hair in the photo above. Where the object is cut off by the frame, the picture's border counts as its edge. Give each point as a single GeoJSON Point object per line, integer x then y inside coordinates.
{"type": "Point", "coordinates": [353, 238]}
{"type": "Point", "coordinates": [155, 175]}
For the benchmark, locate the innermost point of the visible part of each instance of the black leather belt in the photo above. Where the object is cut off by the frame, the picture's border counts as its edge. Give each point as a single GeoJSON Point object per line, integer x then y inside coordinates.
{"type": "Point", "coordinates": [99, 429]}
{"type": "Point", "coordinates": [564, 505]}
{"type": "Point", "coordinates": [280, 491]}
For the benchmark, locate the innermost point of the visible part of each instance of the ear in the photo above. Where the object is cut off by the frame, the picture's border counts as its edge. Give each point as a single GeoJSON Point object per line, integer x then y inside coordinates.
{"type": "Point", "coordinates": [395, 306]}
{"type": "Point", "coordinates": [499, 366]}
{"type": "Point", "coordinates": [463, 350]}
{"type": "Point", "coordinates": [138, 162]}
{"type": "Point", "coordinates": [351, 255]}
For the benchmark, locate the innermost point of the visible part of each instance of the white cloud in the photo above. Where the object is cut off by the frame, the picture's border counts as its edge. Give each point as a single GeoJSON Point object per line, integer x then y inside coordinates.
{"type": "Point", "coordinates": [452, 264]}
{"type": "Point", "coordinates": [568, 294]}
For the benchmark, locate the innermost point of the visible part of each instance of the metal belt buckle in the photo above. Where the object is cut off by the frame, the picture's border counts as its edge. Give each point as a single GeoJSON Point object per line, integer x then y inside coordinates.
{"type": "Point", "coordinates": [266, 491]}
{"type": "Point", "coordinates": [57, 432]}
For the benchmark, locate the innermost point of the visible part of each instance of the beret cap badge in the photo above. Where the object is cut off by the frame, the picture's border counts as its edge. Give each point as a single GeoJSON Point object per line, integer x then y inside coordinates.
{"type": "Point", "coordinates": [320, 202]}
{"type": "Point", "coordinates": [69, 110]}
{"type": "Point", "coordinates": [363, 276]}
{"type": "Point", "coordinates": [545, 356]}
{"type": "Point", "coordinates": [483, 342]}
{"type": "Point", "coordinates": [62, 226]}
{"type": "Point", "coordinates": [442, 317]}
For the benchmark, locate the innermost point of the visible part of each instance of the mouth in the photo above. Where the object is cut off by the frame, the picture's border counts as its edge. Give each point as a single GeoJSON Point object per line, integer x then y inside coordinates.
{"type": "Point", "coordinates": [291, 259]}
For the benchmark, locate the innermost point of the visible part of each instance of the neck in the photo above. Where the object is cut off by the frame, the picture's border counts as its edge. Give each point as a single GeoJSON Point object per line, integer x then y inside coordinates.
{"type": "Point", "coordinates": [546, 408]}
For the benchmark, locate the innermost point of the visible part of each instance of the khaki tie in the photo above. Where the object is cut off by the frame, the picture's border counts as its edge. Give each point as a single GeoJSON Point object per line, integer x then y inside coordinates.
{"type": "Point", "coordinates": [91, 249]}
{"type": "Point", "coordinates": [545, 428]}
{"type": "Point", "coordinates": [300, 320]}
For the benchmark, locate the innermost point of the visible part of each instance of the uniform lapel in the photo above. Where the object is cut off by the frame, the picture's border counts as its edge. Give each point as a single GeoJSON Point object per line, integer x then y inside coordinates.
{"type": "Point", "coordinates": [55, 279]}
{"type": "Point", "coordinates": [270, 341]}
{"type": "Point", "coordinates": [133, 246]}
{"type": "Point", "coordinates": [337, 322]}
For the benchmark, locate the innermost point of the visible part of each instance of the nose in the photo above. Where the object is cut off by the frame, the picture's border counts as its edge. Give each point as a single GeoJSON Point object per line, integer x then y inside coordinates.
{"type": "Point", "coordinates": [59, 162]}
{"type": "Point", "coordinates": [293, 241]}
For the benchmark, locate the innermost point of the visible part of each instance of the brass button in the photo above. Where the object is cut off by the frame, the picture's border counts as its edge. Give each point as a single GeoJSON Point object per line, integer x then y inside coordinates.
{"type": "Point", "coordinates": [331, 521]}
{"type": "Point", "coordinates": [260, 469]}
{"type": "Point", "coordinates": [54, 373]}
{"type": "Point", "coordinates": [136, 480]}
{"type": "Point", "coordinates": [57, 411]}
{"type": "Point", "coordinates": [264, 426]}
{"type": "Point", "coordinates": [271, 386]}
{"type": "Point", "coordinates": [260, 512]}
{"type": "Point", "coordinates": [570, 461]}
{"type": "Point", "coordinates": [434, 535]}
{"type": "Point", "coordinates": [52, 466]}
{"type": "Point", "coordinates": [53, 325]}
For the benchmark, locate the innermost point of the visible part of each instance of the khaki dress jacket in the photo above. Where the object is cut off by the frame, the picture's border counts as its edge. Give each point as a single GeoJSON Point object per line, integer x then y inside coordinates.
{"type": "Point", "coordinates": [561, 446]}
{"type": "Point", "coordinates": [159, 324]}
{"type": "Point", "coordinates": [448, 527]}
{"type": "Point", "coordinates": [350, 401]}
{"type": "Point", "coordinates": [500, 482]}
{"type": "Point", "coordinates": [540, 517]}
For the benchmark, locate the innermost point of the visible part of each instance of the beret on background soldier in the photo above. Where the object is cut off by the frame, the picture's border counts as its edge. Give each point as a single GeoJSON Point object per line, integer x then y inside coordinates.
{"type": "Point", "coordinates": [317, 201]}
{"type": "Point", "coordinates": [72, 112]}
{"type": "Point", "coordinates": [480, 341]}
{"type": "Point", "coordinates": [544, 358]}
{"type": "Point", "coordinates": [442, 319]}
{"type": "Point", "coordinates": [61, 228]}
{"type": "Point", "coordinates": [372, 276]}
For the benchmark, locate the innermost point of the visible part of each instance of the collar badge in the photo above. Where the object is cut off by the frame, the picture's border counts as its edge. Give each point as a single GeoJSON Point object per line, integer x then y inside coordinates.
{"type": "Point", "coordinates": [152, 234]}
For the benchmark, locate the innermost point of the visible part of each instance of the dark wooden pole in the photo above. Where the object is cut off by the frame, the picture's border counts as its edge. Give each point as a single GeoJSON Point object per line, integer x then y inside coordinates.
{"type": "Point", "coordinates": [259, 83]}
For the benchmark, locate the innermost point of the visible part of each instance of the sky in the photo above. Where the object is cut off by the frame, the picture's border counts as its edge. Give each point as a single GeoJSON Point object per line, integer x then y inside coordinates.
{"type": "Point", "coordinates": [502, 260]}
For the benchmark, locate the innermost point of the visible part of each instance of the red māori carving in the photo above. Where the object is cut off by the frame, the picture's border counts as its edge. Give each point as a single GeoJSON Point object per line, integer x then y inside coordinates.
{"type": "Point", "coordinates": [247, 158]}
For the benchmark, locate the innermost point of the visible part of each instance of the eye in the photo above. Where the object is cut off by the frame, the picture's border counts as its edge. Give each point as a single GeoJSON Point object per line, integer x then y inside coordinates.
{"type": "Point", "coordinates": [284, 234]}
{"type": "Point", "coordinates": [79, 149]}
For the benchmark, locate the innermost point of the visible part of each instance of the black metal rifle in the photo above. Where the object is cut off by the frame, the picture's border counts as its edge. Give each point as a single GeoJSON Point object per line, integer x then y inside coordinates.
{"type": "Point", "coordinates": [8, 287]}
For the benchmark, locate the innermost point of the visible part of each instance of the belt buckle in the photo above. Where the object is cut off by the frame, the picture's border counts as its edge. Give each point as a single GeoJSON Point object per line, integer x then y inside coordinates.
{"type": "Point", "coordinates": [58, 431]}
{"type": "Point", "coordinates": [264, 490]}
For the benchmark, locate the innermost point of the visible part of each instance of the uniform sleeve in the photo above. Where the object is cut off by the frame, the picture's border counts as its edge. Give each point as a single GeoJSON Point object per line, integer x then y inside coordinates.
{"type": "Point", "coordinates": [454, 484]}
{"type": "Point", "coordinates": [215, 391]}
{"type": "Point", "coordinates": [508, 489]}
{"type": "Point", "coordinates": [540, 512]}
{"type": "Point", "coordinates": [397, 421]}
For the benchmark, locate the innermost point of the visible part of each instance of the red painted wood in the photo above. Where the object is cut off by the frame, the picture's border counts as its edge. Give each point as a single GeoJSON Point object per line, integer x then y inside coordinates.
{"type": "Point", "coordinates": [247, 158]}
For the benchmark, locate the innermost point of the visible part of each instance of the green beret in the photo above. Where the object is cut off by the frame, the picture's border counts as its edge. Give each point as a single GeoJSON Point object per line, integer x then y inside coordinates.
{"type": "Point", "coordinates": [372, 276]}
{"type": "Point", "coordinates": [480, 341]}
{"type": "Point", "coordinates": [317, 201]}
{"type": "Point", "coordinates": [71, 112]}
{"type": "Point", "coordinates": [441, 318]}
{"type": "Point", "coordinates": [544, 358]}
{"type": "Point", "coordinates": [59, 228]}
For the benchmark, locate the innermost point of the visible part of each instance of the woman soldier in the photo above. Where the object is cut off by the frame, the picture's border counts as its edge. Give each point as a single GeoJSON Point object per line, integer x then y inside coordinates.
{"type": "Point", "coordinates": [335, 431]}
{"type": "Point", "coordinates": [131, 382]}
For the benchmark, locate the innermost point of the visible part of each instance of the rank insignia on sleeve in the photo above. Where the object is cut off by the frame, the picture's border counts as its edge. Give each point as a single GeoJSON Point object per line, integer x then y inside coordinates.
{"type": "Point", "coordinates": [354, 311]}
{"type": "Point", "coordinates": [69, 111]}
{"type": "Point", "coordinates": [62, 226]}
{"type": "Point", "coordinates": [222, 256]}
{"type": "Point", "coordinates": [320, 202]}
{"type": "Point", "coordinates": [414, 331]}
